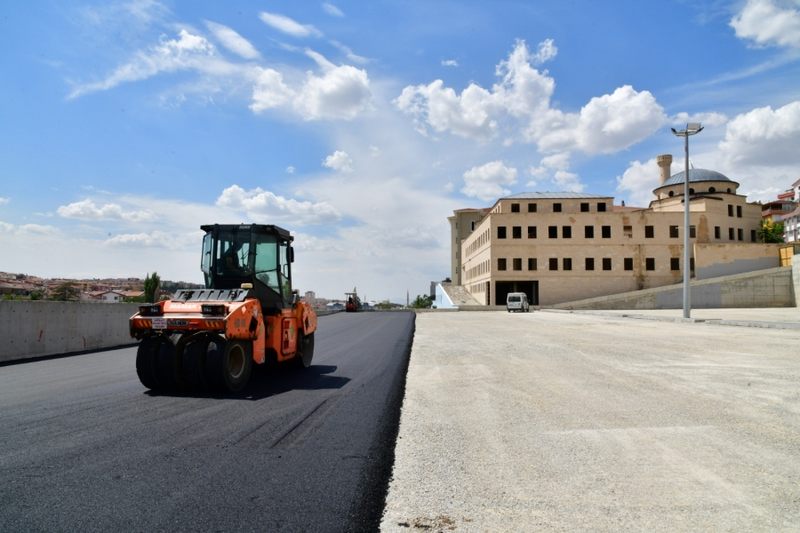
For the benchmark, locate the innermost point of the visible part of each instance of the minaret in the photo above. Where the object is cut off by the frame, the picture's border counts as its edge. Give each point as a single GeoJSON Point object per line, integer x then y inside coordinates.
{"type": "Point", "coordinates": [664, 163]}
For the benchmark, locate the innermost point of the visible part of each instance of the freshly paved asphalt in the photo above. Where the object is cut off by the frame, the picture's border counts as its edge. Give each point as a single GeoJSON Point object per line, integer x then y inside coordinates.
{"type": "Point", "coordinates": [84, 447]}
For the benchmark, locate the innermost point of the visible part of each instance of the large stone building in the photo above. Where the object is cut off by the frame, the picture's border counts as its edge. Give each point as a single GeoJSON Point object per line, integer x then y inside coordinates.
{"type": "Point", "coordinates": [560, 247]}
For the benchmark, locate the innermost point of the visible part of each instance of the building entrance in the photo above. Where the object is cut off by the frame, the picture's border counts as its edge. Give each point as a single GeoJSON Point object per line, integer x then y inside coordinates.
{"type": "Point", "coordinates": [529, 287]}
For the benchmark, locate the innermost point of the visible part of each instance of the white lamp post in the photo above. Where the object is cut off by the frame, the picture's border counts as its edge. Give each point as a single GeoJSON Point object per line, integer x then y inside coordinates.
{"type": "Point", "coordinates": [691, 129]}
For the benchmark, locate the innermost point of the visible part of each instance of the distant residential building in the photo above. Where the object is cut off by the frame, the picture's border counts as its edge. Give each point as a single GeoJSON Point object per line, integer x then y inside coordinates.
{"type": "Point", "coordinates": [113, 296]}
{"type": "Point", "coordinates": [564, 246]}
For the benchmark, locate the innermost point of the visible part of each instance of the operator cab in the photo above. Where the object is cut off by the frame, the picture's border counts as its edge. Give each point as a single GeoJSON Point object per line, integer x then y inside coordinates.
{"type": "Point", "coordinates": [259, 254]}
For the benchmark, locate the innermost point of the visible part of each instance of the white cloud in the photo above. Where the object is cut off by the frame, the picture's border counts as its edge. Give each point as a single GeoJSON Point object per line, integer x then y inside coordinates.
{"type": "Point", "coordinates": [261, 204]}
{"type": "Point", "coordinates": [348, 53]}
{"type": "Point", "coordinates": [339, 161]}
{"type": "Point", "coordinates": [289, 26]}
{"type": "Point", "coordinates": [332, 10]}
{"type": "Point", "coordinates": [154, 239]}
{"type": "Point", "coordinates": [521, 102]}
{"type": "Point", "coordinates": [188, 52]}
{"type": "Point", "coordinates": [558, 161]}
{"type": "Point", "coordinates": [764, 136]}
{"type": "Point", "coordinates": [4, 200]}
{"type": "Point", "coordinates": [568, 181]}
{"type": "Point", "coordinates": [708, 120]}
{"type": "Point", "coordinates": [233, 41]}
{"type": "Point", "coordinates": [340, 93]}
{"type": "Point", "coordinates": [638, 182]}
{"type": "Point", "coordinates": [27, 229]}
{"type": "Point", "coordinates": [487, 181]}
{"type": "Point", "coordinates": [467, 115]}
{"type": "Point", "coordinates": [449, 63]}
{"type": "Point", "coordinates": [769, 23]}
{"type": "Point", "coordinates": [269, 91]}
{"type": "Point", "coordinates": [290, 169]}
{"type": "Point", "coordinates": [88, 210]}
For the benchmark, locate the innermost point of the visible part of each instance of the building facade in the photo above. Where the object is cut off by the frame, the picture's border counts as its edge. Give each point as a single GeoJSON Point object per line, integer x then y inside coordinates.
{"type": "Point", "coordinates": [560, 247]}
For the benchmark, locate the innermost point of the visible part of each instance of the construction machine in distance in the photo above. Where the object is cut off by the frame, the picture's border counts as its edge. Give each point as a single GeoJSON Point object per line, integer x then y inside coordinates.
{"type": "Point", "coordinates": [209, 339]}
{"type": "Point", "coordinates": [353, 303]}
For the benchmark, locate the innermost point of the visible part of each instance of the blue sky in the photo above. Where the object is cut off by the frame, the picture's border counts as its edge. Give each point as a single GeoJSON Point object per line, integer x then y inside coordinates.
{"type": "Point", "coordinates": [360, 126]}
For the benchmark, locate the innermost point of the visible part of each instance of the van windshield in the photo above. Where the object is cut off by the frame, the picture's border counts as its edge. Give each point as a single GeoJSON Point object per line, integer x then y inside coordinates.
{"type": "Point", "coordinates": [513, 298]}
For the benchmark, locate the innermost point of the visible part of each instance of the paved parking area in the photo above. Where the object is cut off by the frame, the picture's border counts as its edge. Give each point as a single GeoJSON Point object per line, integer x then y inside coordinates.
{"type": "Point", "coordinates": [595, 421]}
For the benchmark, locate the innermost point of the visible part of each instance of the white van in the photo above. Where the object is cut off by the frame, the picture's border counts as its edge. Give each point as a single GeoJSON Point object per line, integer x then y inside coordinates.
{"type": "Point", "coordinates": [517, 301]}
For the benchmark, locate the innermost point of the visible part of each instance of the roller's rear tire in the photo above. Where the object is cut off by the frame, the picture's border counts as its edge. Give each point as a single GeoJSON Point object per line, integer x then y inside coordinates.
{"type": "Point", "coordinates": [305, 350]}
{"type": "Point", "coordinates": [228, 369]}
{"type": "Point", "coordinates": [194, 357]}
{"type": "Point", "coordinates": [156, 364]}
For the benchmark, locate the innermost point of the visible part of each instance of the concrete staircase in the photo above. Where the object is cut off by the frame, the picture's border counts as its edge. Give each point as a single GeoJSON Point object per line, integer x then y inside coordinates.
{"type": "Point", "coordinates": [459, 295]}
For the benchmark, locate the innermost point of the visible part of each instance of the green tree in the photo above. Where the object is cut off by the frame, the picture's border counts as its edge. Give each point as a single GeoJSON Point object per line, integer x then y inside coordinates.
{"type": "Point", "coordinates": [422, 301]}
{"type": "Point", "coordinates": [36, 295]}
{"type": "Point", "coordinates": [151, 283]}
{"type": "Point", "coordinates": [770, 231]}
{"type": "Point", "coordinates": [64, 292]}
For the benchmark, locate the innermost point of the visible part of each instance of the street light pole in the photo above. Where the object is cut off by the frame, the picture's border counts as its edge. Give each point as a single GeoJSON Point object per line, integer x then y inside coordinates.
{"type": "Point", "coordinates": [691, 129]}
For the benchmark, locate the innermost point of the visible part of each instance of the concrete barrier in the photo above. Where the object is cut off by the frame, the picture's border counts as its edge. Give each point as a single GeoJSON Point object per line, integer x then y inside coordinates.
{"type": "Point", "coordinates": [30, 329]}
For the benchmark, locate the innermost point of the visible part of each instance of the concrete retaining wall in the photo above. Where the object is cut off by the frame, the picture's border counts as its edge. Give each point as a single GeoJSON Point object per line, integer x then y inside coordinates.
{"type": "Point", "coordinates": [772, 287]}
{"type": "Point", "coordinates": [37, 328]}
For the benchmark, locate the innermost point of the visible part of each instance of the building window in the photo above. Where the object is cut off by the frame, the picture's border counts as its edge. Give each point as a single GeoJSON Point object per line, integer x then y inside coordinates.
{"type": "Point", "coordinates": [649, 263]}
{"type": "Point", "coordinates": [501, 263]}
{"type": "Point", "coordinates": [674, 263]}
{"type": "Point", "coordinates": [566, 232]}
{"type": "Point", "coordinates": [692, 232]}
{"type": "Point", "coordinates": [673, 232]}
{"type": "Point", "coordinates": [567, 263]}
{"type": "Point", "coordinates": [589, 263]}
{"type": "Point", "coordinates": [730, 210]}
{"type": "Point", "coordinates": [740, 234]}
{"type": "Point", "coordinates": [584, 207]}
{"type": "Point", "coordinates": [712, 189]}
{"type": "Point", "coordinates": [552, 232]}
{"type": "Point", "coordinates": [731, 234]}
{"type": "Point", "coordinates": [606, 263]}
{"type": "Point", "coordinates": [531, 232]}
{"type": "Point", "coordinates": [531, 208]}
{"type": "Point", "coordinates": [627, 231]}
{"type": "Point", "coordinates": [516, 232]}
{"type": "Point", "coordinates": [691, 264]}
{"type": "Point", "coordinates": [501, 232]}
{"type": "Point", "coordinates": [717, 232]}
{"type": "Point", "coordinates": [515, 208]}
{"type": "Point", "coordinates": [606, 232]}
{"type": "Point", "coordinates": [628, 263]}
{"type": "Point", "coordinates": [553, 263]}
{"type": "Point", "coordinates": [588, 232]}
{"type": "Point", "coordinates": [601, 207]}
{"type": "Point", "coordinates": [649, 231]}
{"type": "Point", "coordinates": [752, 235]}
{"type": "Point", "coordinates": [517, 263]}
{"type": "Point", "coordinates": [739, 211]}
{"type": "Point", "coordinates": [557, 207]}
{"type": "Point", "coordinates": [531, 263]}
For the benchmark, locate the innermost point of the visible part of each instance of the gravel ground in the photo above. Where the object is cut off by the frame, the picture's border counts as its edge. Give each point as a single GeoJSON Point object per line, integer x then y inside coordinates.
{"type": "Point", "coordinates": [580, 421]}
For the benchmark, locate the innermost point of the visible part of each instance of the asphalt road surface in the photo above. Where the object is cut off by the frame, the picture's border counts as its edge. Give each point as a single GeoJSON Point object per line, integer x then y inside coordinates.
{"type": "Point", "coordinates": [84, 447]}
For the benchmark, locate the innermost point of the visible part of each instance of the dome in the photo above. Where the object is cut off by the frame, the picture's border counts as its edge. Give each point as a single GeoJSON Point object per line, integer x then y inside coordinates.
{"type": "Point", "coordinates": [697, 175]}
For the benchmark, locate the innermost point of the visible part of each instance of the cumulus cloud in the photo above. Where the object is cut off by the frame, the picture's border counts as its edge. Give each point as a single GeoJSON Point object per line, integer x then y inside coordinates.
{"type": "Point", "coordinates": [764, 136]}
{"type": "Point", "coordinates": [638, 182]}
{"type": "Point", "coordinates": [4, 200]}
{"type": "Point", "coordinates": [769, 23]}
{"type": "Point", "coordinates": [233, 41]}
{"type": "Point", "coordinates": [706, 119]}
{"type": "Point", "coordinates": [521, 100]}
{"type": "Point", "coordinates": [261, 204]}
{"type": "Point", "coordinates": [88, 210]}
{"type": "Point", "coordinates": [332, 10]}
{"type": "Point", "coordinates": [487, 181]}
{"type": "Point", "coordinates": [339, 161]}
{"type": "Point", "coordinates": [449, 63]}
{"type": "Point", "coordinates": [288, 26]}
{"type": "Point", "coordinates": [341, 92]}
{"type": "Point", "coordinates": [568, 181]}
{"type": "Point", "coordinates": [27, 229]}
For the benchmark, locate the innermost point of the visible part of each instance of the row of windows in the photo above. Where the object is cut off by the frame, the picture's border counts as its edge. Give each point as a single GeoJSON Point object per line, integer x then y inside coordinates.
{"type": "Point", "coordinates": [477, 270]}
{"type": "Point", "coordinates": [627, 231]}
{"type": "Point", "coordinates": [589, 263]}
{"type": "Point", "coordinates": [738, 210]}
{"type": "Point", "coordinates": [558, 207]}
{"type": "Point", "coordinates": [482, 239]}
